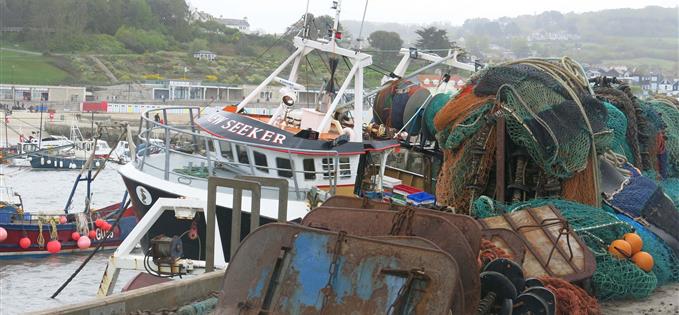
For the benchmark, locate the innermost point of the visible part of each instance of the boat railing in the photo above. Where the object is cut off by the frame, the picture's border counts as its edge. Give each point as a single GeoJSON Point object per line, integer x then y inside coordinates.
{"type": "Point", "coordinates": [150, 128]}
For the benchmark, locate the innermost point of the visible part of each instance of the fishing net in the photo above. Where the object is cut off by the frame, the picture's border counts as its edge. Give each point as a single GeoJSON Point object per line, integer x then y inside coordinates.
{"type": "Point", "coordinates": [623, 103]}
{"type": "Point", "coordinates": [618, 123]}
{"type": "Point", "coordinates": [542, 115]}
{"type": "Point", "coordinates": [671, 188]}
{"type": "Point", "coordinates": [669, 122]}
{"type": "Point", "coordinates": [570, 299]}
{"type": "Point", "coordinates": [451, 137]}
{"type": "Point", "coordinates": [649, 126]}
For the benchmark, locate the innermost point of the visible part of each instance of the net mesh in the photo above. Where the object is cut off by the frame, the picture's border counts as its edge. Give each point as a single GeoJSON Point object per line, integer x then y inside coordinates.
{"type": "Point", "coordinates": [623, 103]}
{"type": "Point", "coordinates": [669, 122]}
{"type": "Point", "coordinates": [618, 123]}
{"type": "Point", "coordinates": [452, 136]}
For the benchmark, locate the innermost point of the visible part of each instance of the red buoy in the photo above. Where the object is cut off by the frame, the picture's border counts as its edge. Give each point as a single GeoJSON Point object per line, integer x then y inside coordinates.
{"type": "Point", "coordinates": [25, 242]}
{"type": "Point", "coordinates": [84, 242]}
{"type": "Point", "coordinates": [92, 234]}
{"type": "Point", "coordinates": [75, 236]}
{"type": "Point", "coordinates": [106, 227]}
{"type": "Point", "coordinates": [62, 219]}
{"type": "Point", "coordinates": [53, 246]}
{"type": "Point", "coordinates": [3, 234]}
{"type": "Point", "coordinates": [99, 222]}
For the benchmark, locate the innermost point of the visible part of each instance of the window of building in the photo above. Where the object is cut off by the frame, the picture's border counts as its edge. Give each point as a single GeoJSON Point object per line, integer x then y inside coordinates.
{"type": "Point", "coordinates": [309, 169]}
{"type": "Point", "coordinates": [285, 167]}
{"type": "Point", "coordinates": [260, 160]}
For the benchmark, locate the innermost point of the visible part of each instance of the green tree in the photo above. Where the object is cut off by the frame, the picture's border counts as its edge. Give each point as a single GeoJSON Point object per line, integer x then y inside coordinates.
{"type": "Point", "coordinates": [138, 14]}
{"type": "Point", "coordinates": [432, 38]}
{"type": "Point", "coordinates": [519, 46]}
{"type": "Point", "coordinates": [174, 16]}
{"type": "Point", "coordinates": [384, 40]}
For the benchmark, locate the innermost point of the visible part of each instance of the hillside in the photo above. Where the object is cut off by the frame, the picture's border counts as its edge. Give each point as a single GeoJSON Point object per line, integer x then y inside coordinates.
{"type": "Point", "coordinates": [109, 41]}
{"type": "Point", "coordinates": [648, 37]}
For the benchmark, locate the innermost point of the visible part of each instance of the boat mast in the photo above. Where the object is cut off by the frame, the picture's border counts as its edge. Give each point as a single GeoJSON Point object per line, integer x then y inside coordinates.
{"type": "Point", "coordinates": [305, 46]}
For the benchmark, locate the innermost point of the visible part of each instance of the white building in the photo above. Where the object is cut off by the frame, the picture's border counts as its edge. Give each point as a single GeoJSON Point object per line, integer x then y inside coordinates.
{"type": "Point", "coordinates": [241, 25]}
{"type": "Point", "coordinates": [204, 55]}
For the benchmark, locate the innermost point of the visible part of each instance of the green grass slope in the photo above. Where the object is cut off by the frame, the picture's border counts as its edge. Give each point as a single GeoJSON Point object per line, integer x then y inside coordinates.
{"type": "Point", "coordinates": [22, 68]}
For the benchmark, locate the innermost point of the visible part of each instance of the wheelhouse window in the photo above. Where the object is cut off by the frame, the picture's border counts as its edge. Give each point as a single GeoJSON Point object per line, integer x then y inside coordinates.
{"type": "Point", "coordinates": [260, 160]}
{"type": "Point", "coordinates": [242, 154]}
{"type": "Point", "coordinates": [329, 165]}
{"type": "Point", "coordinates": [309, 169]}
{"type": "Point", "coordinates": [284, 166]}
{"type": "Point", "coordinates": [225, 150]}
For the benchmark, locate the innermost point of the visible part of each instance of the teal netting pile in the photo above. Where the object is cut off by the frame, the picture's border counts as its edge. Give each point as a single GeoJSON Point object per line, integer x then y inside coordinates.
{"type": "Point", "coordinates": [453, 136]}
{"type": "Point", "coordinates": [614, 278]}
{"type": "Point", "coordinates": [618, 123]}
{"type": "Point", "coordinates": [669, 116]}
{"type": "Point", "coordinates": [671, 188]}
{"type": "Point", "coordinates": [542, 116]}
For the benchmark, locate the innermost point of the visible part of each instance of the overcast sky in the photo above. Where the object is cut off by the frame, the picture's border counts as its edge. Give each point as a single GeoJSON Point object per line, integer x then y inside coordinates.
{"type": "Point", "coordinates": [275, 15]}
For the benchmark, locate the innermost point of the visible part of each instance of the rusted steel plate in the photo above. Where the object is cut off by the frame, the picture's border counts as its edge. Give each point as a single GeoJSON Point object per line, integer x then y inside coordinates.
{"type": "Point", "coordinates": [292, 269]}
{"type": "Point", "coordinates": [508, 240]}
{"type": "Point", "coordinates": [540, 228]}
{"type": "Point", "coordinates": [468, 225]}
{"type": "Point", "coordinates": [407, 222]}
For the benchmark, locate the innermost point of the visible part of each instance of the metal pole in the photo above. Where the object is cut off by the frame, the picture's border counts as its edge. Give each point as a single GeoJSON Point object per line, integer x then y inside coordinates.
{"type": "Point", "coordinates": [40, 134]}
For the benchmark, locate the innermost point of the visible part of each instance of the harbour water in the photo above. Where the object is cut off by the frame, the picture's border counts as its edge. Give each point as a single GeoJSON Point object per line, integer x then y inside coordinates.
{"type": "Point", "coordinates": [26, 284]}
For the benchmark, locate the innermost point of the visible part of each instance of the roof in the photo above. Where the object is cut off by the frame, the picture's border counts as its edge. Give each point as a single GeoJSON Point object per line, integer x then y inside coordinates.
{"type": "Point", "coordinates": [234, 22]}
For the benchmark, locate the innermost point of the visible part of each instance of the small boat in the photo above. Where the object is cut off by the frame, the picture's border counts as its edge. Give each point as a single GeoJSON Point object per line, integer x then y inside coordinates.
{"type": "Point", "coordinates": [32, 233]}
{"type": "Point", "coordinates": [38, 234]}
{"type": "Point", "coordinates": [72, 155]}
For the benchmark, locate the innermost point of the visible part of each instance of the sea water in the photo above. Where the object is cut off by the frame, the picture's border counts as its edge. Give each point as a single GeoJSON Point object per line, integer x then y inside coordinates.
{"type": "Point", "coordinates": [26, 284]}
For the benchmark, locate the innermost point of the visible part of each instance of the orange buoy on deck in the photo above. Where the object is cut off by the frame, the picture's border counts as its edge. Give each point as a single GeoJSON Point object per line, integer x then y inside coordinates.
{"type": "Point", "coordinates": [635, 241]}
{"type": "Point", "coordinates": [620, 249]}
{"type": "Point", "coordinates": [643, 260]}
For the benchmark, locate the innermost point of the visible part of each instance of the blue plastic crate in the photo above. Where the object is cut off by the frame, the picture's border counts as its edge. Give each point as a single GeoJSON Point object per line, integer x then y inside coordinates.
{"type": "Point", "coordinates": [422, 197]}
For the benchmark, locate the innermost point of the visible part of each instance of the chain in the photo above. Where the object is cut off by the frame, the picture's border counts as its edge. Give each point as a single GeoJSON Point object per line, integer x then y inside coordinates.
{"type": "Point", "coordinates": [327, 290]}
{"type": "Point", "coordinates": [404, 218]}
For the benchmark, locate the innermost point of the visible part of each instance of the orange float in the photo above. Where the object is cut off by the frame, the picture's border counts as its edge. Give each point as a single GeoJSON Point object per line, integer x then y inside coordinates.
{"type": "Point", "coordinates": [643, 260]}
{"type": "Point", "coordinates": [620, 249]}
{"type": "Point", "coordinates": [635, 241]}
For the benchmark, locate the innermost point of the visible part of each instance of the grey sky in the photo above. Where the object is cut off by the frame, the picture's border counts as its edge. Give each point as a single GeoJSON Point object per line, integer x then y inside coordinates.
{"type": "Point", "coordinates": [275, 15]}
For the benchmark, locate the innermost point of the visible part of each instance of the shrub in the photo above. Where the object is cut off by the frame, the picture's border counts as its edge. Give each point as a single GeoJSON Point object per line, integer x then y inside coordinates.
{"type": "Point", "coordinates": [140, 40]}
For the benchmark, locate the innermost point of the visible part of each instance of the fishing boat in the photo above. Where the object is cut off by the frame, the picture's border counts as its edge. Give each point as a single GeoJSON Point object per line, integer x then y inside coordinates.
{"type": "Point", "coordinates": [71, 155]}
{"type": "Point", "coordinates": [322, 149]}
{"type": "Point", "coordinates": [44, 233]}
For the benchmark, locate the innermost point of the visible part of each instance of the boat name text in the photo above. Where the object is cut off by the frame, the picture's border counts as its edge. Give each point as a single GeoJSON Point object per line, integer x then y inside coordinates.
{"type": "Point", "coordinates": [243, 129]}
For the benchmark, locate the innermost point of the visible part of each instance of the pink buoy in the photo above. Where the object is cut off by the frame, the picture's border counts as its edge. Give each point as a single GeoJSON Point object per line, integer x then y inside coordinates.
{"type": "Point", "coordinates": [75, 236]}
{"type": "Point", "coordinates": [84, 242]}
{"type": "Point", "coordinates": [53, 246]}
{"type": "Point", "coordinates": [3, 234]}
{"type": "Point", "coordinates": [62, 220]}
{"type": "Point", "coordinates": [25, 242]}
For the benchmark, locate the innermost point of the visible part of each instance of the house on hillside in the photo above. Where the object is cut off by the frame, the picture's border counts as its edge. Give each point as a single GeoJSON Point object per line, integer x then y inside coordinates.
{"type": "Point", "coordinates": [204, 55]}
{"type": "Point", "coordinates": [665, 86]}
{"type": "Point", "coordinates": [239, 24]}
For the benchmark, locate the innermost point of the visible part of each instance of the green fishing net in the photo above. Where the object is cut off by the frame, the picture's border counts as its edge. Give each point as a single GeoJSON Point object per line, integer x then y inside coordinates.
{"type": "Point", "coordinates": [669, 117]}
{"type": "Point", "coordinates": [614, 278]}
{"type": "Point", "coordinates": [618, 123]}
{"type": "Point", "coordinates": [542, 117]}
{"type": "Point", "coordinates": [451, 138]}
